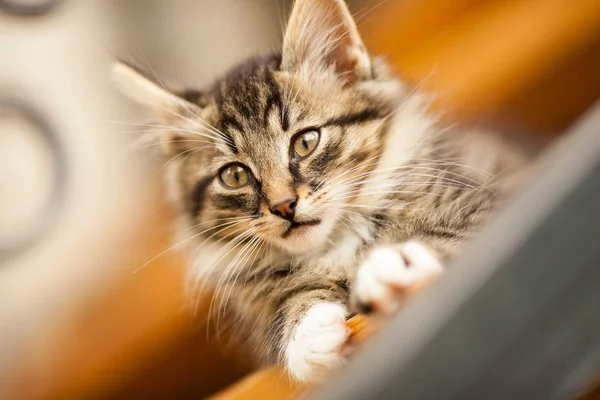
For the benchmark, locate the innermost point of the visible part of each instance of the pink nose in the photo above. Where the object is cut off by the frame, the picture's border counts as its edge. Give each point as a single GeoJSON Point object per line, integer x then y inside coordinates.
{"type": "Point", "coordinates": [285, 209]}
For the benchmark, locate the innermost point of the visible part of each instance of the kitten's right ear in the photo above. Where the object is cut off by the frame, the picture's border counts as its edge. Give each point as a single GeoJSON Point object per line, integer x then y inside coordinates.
{"type": "Point", "coordinates": [169, 107]}
{"type": "Point", "coordinates": [146, 92]}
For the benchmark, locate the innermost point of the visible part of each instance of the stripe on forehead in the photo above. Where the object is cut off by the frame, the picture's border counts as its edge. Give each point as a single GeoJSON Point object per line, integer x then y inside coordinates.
{"type": "Point", "coordinates": [247, 96]}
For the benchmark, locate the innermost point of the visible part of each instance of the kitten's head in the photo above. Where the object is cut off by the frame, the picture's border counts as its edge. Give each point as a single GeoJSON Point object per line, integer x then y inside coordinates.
{"type": "Point", "coordinates": [278, 149]}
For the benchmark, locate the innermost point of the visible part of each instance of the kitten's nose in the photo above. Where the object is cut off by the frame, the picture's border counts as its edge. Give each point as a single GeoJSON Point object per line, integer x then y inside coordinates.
{"type": "Point", "coordinates": [285, 209]}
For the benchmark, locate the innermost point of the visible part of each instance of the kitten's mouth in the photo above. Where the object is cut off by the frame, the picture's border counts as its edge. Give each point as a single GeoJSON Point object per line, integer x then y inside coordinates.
{"type": "Point", "coordinates": [299, 226]}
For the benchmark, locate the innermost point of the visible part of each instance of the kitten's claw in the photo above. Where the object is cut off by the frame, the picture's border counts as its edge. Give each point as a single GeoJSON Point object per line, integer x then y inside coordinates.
{"type": "Point", "coordinates": [387, 272]}
{"type": "Point", "coordinates": [317, 344]}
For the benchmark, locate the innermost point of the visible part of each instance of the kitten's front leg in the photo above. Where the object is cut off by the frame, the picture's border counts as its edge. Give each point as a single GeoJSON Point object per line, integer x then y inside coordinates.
{"type": "Point", "coordinates": [388, 271]}
{"type": "Point", "coordinates": [314, 336]}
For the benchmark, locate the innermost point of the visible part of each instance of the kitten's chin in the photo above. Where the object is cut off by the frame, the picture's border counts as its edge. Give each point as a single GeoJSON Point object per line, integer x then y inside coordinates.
{"type": "Point", "coordinates": [305, 239]}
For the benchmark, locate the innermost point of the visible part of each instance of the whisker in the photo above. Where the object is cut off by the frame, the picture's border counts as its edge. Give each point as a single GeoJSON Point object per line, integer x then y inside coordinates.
{"type": "Point", "coordinates": [387, 169]}
{"type": "Point", "coordinates": [236, 242]}
{"type": "Point", "coordinates": [342, 217]}
{"type": "Point", "coordinates": [167, 142]}
{"type": "Point", "coordinates": [400, 182]}
{"type": "Point", "coordinates": [373, 207]}
{"type": "Point", "coordinates": [372, 172]}
{"type": "Point", "coordinates": [339, 218]}
{"type": "Point", "coordinates": [202, 124]}
{"type": "Point", "coordinates": [359, 19]}
{"type": "Point", "coordinates": [260, 250]}
{"type": "Point", "coordinates": [411, 168]}
{"type": "Point", "coordinates": [190, 151]}
{"type": "Point", "coordinates": [387, 192]}
{"type": "Point", "coordinates": [212, 265]}
{"type": "Point", "coordinates": [220, 219]}
{"type": "Point", "coordinates": [234, 275]}
{"type": "Point", "coordinates": [168, 129]}
{"type": "Point", "coordinates": [450, 162]}
{"type": "Point", "coordinates": [439, 182]}
{"type": "Point", "coordinates": [179, 244]}
{"type": "Point", "coordinates": [360, 165]}
{"type": "Point", "coordinates": [353, 213]}
{"type": "Point", "coordinates": [214, 130]}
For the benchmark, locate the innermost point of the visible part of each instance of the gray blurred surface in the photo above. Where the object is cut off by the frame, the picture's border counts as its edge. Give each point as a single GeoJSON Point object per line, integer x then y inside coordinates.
{"type": "Point", "coordinates": [519, 316]}
{"type": "Point", "coordinates": [192, 42]}
{"type": "Point", "coordinates": [66, 254]}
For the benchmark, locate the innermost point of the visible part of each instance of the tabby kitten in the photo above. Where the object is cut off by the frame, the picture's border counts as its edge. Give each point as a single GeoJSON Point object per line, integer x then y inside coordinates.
{"type": "Point", "coordinates": [312, 183]}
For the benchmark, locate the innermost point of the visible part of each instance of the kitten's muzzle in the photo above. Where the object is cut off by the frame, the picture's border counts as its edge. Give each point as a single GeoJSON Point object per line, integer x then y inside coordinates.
{"type": "Point", "coordinates": [285, 209]}
{"type": "Point", "coordinates": [295, 225]}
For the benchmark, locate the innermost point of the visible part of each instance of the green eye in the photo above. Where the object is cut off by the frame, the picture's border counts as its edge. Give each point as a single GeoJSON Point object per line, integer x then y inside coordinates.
{"type": "Point", "coordinates": [234, 176]}
{"type": "Point", "coordinates": [305, 143]}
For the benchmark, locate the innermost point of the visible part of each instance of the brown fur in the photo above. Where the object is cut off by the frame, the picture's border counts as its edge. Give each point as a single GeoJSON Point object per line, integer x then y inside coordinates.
{"type": "Point", "coordinates": [384, 172]}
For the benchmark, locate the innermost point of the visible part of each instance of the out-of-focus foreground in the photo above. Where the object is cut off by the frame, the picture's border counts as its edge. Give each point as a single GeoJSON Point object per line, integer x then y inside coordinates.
{"type": "Point", "coordinates": [91, 303]}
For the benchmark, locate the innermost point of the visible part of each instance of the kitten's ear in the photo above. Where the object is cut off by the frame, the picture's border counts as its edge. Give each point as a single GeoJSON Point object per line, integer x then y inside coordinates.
{"type": "Point", "coordinates": [166, 105]}
{"type": "Point", "coordinates": [146, 92]}
{"type": "Point", "coordinates": [323, 32]}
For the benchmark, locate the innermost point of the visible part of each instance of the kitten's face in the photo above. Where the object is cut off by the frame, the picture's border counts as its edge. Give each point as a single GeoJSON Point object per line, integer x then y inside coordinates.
{"type": "Point", "coordinates": [279, 148]}
{"type": "Point", "coordinates": [289, 161]}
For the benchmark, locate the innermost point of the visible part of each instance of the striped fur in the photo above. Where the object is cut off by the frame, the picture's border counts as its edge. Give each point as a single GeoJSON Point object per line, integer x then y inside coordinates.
{"type": "Point", "coordinates": [384, 172]}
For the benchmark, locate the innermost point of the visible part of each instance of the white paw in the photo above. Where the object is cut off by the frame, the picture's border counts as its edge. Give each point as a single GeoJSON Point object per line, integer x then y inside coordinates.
{"type": "Point", "coordinates": [388, 271]}
{"type": "Point", "coordinates": [317, 344]}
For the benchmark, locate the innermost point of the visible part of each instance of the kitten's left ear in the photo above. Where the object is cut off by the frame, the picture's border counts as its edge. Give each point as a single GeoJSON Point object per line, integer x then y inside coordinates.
{"type": "Point", "coordinates": [167, 105]}
{"type": "Point", "coordinates": [142, 90]}
{"type": "Point", "coordinates": [324, 32]}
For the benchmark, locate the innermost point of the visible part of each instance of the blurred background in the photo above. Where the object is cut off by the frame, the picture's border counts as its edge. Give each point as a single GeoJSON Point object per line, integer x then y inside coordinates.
{"type": "Point", "coordinates": [80, 212]}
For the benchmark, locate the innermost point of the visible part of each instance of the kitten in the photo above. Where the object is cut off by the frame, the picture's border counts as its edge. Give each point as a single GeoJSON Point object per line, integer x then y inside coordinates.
{"type": "Point", "coordinates": [312, 183]}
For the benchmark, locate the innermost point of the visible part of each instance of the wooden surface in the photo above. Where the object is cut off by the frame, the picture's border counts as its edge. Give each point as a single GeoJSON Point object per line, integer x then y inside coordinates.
{"type": "Point", "coordinates": [593, 392]}
{"type": "Point", "coordinates": [265, 384]}
{"type": "Point", "coordinates": [273, 383]}
{"type": "Point", "coordinates": [530, 61]}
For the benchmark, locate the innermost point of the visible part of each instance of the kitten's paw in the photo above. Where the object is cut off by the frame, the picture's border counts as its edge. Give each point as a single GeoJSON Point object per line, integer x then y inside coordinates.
{"type": "Point", "coordinates": [317, 344]}
{"type": "Point", "coordinates": [387, 272]}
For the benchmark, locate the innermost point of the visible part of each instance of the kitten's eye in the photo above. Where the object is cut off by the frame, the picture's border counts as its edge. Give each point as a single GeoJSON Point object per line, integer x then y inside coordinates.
{"type": "Point", "coordinates": [306, 142]}
{"type": "Point", "coordinates": [234, 176]}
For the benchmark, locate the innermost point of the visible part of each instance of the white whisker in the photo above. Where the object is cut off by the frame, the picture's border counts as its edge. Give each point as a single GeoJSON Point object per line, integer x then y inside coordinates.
{"type": "Point", "coordinates": [235, 243]}
{"type": "Point", "coordinates": [207, 125]}
{"type": "Point", "coordinates": [256, 241]}
{"type": "Point", "coordinates": [409, 192]}
{"type": "Point", "coordinates": [179, 244]}
{"type": "Point", "coordinates": [169, 129]}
